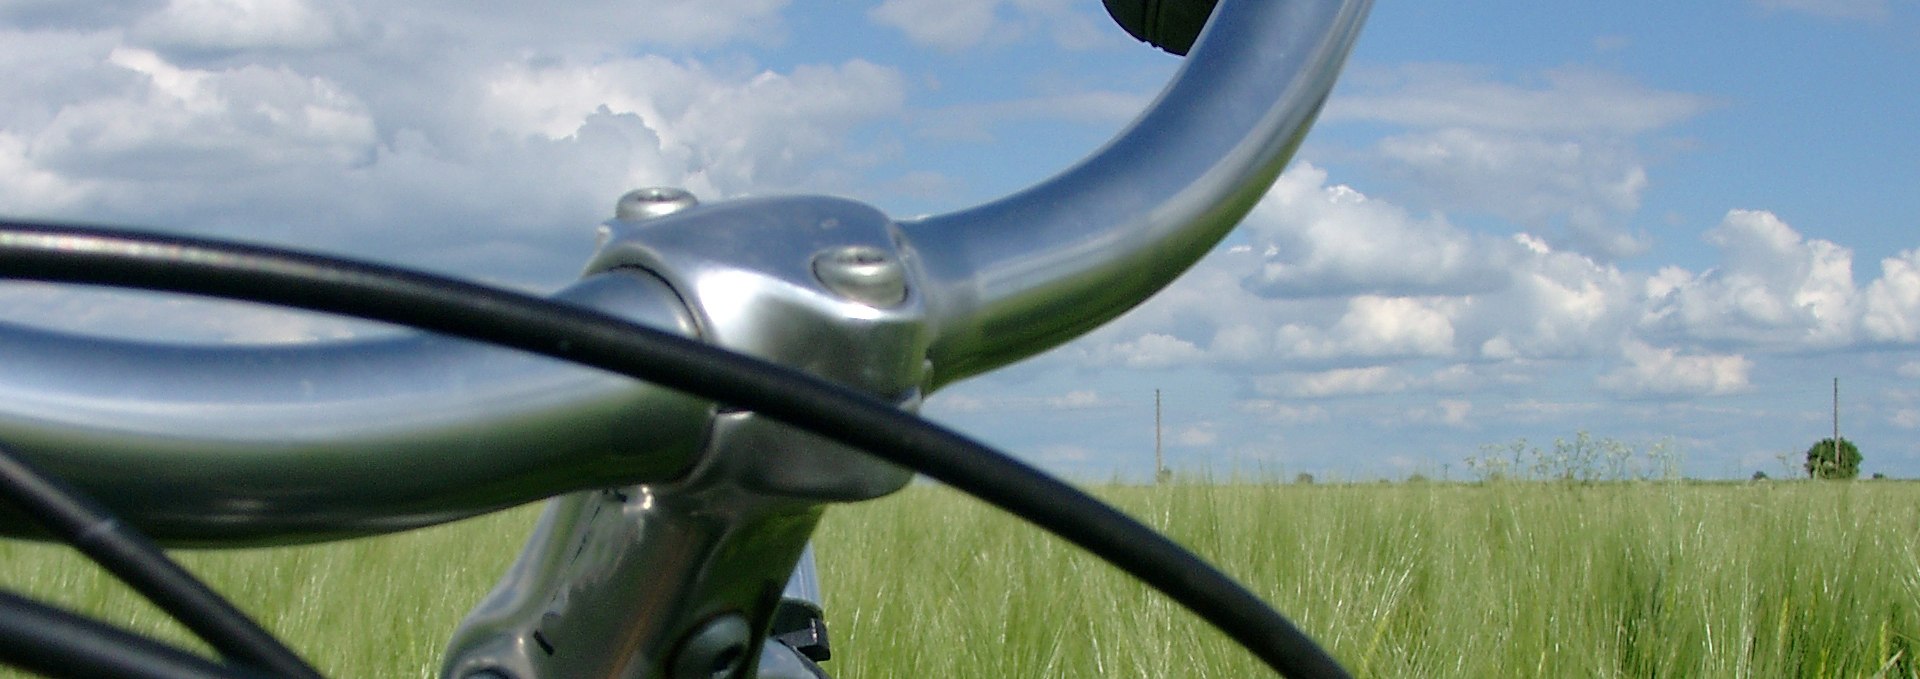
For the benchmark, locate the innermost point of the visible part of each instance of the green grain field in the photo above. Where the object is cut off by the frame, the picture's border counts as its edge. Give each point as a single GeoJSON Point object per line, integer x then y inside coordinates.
{"type": "Point", "coordinates": [1775, 579]}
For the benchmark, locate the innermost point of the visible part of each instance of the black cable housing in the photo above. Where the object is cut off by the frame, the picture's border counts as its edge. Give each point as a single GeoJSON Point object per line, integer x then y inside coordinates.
{"type": "Point", "coordinates": [56, 643]}
{"type": "Point", "coordinates": [130, 556]}
{"type": "Point", "coordinates": [158, 262]}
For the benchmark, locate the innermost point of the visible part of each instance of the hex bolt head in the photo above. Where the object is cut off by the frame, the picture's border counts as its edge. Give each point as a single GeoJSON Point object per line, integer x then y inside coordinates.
{"type": "Point", "coordinates": [862, 273]}
{"type": "Point", "coordinates": [652, 202]}
{"type": "Point", "coordinates": [715, 649]}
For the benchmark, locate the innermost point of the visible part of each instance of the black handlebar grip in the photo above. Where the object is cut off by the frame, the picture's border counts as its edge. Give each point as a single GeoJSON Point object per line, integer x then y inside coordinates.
{"type": "Point", "coordinates": [1170, 25]}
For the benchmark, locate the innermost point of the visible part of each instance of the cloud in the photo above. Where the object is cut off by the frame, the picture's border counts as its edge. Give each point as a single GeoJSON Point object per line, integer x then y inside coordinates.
{"type": "Point", "coordinates": [1772, 287]}
{"type": "Point", "coordinates": [1366, 380]}
{"type": "Point", "coordinates": [1535, 409]}
{"type": "Point", "coordinates": [177, 123]}
{"type": "Point", "coordinates": [1557, 152]}
{"type": "Point", "coordinates": [1195, 436]}
{"type": "Point", "coordinates": [29, 188]}
{"type": "Point", "coordinates": [591, 28]}
{"type": "Point", "coordinates": [1318, 240]}
{"type": "Point", "coordinates": [1375, 326]}
{"type": "Point", "coordinates": [260, 124]}
{"type": "Point", "coordinates": [949, 25]}
{"type": "Point", "coordinates": [1561, 304]}
{"type": "Point", "coordinates": [1331, 278]}
{"type": "Point", "coordinates": [1655, 371]}
{"type": "Point", "coordinates": [224, 25]}
{"type": "Point", "coordinates": [1150, 351]}
{"type": "Point", "coordinates": [1370, 380]}
{"type": "Point", "coordinates": [975, 402]}
{"type": "Point", "coordinates": [65, 15]}
{"type": "Point", "coordinates": [1580, 184]}
{"type": "Point", "coordinates": [1075, 400]}
{"type": "Point", "coordinates": [1454, 411]}
{"type": "Point", "coordinates": [1561, 102]}
{"type": "Point", "coordinates": [1282, 411]}
{"type": "Point", "coordinates": [731, 132]}
{"type": "Point", "coordinates": [1892, 302]}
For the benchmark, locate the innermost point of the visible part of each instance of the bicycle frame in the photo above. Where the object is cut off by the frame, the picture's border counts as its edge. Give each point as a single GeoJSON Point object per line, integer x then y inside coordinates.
{"type": "Point", "coordinates": [677, 521]}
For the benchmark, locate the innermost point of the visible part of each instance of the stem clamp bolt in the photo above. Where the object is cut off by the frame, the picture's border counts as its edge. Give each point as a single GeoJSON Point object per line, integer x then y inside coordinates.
{"type": "Point", "coordinates": [652, 202]}
{"type": "Point", "coordinates": [862, 273]}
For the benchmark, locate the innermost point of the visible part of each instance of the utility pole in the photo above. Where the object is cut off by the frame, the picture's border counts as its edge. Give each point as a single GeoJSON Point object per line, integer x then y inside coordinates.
{"type": "Point", "coordinates": [1159, 459]}
{"type": "Point", "coordinates": [1836, 425]}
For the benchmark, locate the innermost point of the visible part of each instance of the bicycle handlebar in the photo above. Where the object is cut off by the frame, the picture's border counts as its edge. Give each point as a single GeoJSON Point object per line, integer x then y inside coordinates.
{"type": "Point", "coordinates": [1023, 274]}
{"type": "Point", "coordinates": [255, 444]}
{"type": "Point", "coordinates": [235, 445]}
{"type": "Point", "coordinates": [246, 444]}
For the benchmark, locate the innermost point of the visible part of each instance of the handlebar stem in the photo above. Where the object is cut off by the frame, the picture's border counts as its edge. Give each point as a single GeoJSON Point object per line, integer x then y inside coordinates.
{"type": "Point", "coordinates": [642, 581]}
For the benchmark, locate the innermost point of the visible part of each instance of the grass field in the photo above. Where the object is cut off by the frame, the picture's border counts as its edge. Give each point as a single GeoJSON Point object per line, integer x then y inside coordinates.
{"type": "Point", "coordinates": [1781, 579]}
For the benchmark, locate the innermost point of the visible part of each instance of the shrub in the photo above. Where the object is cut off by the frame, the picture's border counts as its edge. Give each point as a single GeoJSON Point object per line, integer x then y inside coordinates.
{"type": "Point", "coordinates": [1823, 463]}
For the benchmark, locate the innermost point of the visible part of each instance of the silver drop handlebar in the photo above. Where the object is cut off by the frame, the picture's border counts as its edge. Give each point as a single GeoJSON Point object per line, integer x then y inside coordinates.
{"type": "Point", "coordinates": [212, 445]}
{"type": "Point", "coordinates": [688, 514]}
{"type": "Point", "coordinates": [248, 444]}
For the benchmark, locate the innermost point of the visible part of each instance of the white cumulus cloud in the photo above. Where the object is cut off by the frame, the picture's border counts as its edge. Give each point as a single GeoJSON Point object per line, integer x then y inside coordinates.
{"type": "Point", "coordinates": [1560, 304]}
{"type": "Point", "coordinates": [177, 122]}
{"type": "Point", "coordinates": [1773, 286]}
{"type": "Point", "coordinates": [1152, 350]}
{"type": "Point", "coordinates": [1376, 326]}
{"type": "Point", "coordinates": [728, 132]}
{"type": "Point", "coordinates": [1892, 302]}
{"type": "Point", "coordinates": [1364, 381]}
{"type": "Point", "coordinates": [246, 24]}
{"type": "Point", "coordinates": [1579, 185]}
{"type": "Point", "coordinates": [427, 133]}
{"type": "Point", "coordinates": [1283, 412]}
{"type": "Point", "coordinates": [1562, 101]}
{"type": "Point", "coordinates": [1320, 240]}
{"type": "Point", "coordinates": [1558, 152]}
{"type": "Point", "coordinates": [1661, 371]}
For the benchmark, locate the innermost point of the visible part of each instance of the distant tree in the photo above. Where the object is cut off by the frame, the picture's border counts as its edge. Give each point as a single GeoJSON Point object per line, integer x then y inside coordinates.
{"type": "Point", "coordinates": [1759, 476]}
{"type": "Point", "coordinates": [1824, 463]}
{"type": "Point", "coordinates": [1303, 478]}
{"type": "Point", "coordinates": [1877, 476]}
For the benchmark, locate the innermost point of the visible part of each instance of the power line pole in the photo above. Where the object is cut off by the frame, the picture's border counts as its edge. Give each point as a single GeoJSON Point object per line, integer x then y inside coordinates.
{"type": "Point", "coordinates": [1837, 462]}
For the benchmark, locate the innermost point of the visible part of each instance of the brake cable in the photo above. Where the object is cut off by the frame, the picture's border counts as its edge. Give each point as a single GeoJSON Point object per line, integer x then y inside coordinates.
{"type": "Point", "coordinates": [83, 255]}
{"type": "Point", "coordinates": [130, 556]}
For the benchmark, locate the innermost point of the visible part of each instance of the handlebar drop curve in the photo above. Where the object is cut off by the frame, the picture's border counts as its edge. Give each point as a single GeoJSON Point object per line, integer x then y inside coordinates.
{"type": "Point", "coordinates": [1014, 277]}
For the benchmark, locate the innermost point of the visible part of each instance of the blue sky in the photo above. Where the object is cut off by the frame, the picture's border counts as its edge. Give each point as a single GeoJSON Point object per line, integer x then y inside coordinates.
{"type": "Point", "coordinates": [1649, 222]}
